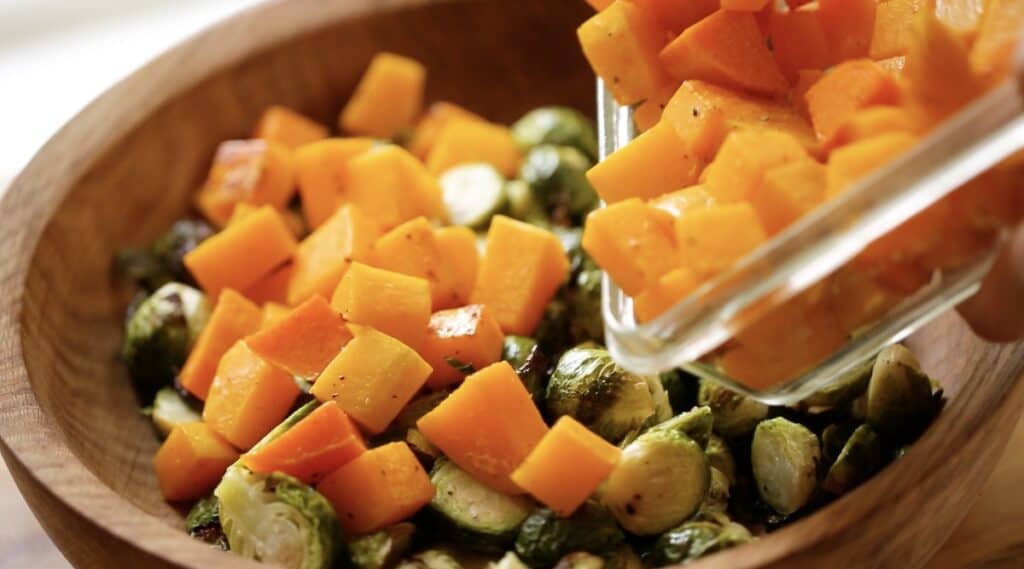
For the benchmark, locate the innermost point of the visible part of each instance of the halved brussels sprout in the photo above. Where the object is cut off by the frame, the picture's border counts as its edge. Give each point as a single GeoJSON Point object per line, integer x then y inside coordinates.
{"type": "Point", "coordinates": [170, 410]}
{"type": "Point", "coordinates": [695, 423]}
{"type": "Point", "coordinates": [203, 522]}
{"type": "Point", "coordinates": [585, 320]}
{"type": "Point", "coordinates": [681, 388]}
{"type": "Point", "coordinates": [381, 550]}
{"type": "Point", "coordinates": [590, 387]}
{"type": "Point", "coordinates": [530, 363]}
{"type": "Point", "coordinates": [557, 175]}
{"type": "Point", "coordinates": [660, 480]}
{"type": "Point", "coordinates": [844, 389]}
{"type": "Point", "coordinates": [860, 458]}
{"type": "Point", "coordinates": [833, 439]}
{"type": "Point", "coordinates": [900, 404]}
{"type": "Point", "coordinates": [277, 519]}
{"type": "Point", "coordinates": [508, 561]}
{"type": "Point", "coordinates": [523, 204]}
{"type": "Point", "coordinates": [545, 537]}
{"type": "Point", "coordinates": [163, 260]}
{"type": "Point", "coordinates": [472, 194]}
{"type": "Point", "coordinates": [784, 457]}
{"type": "Point", "coordinates": [695, 539]}
{"type": "Point", "coordinates": [161, 333]}
{"type": "Point", "coordinates": [431, 559]}
{"type": "Point", "coordinates": [580, 560]}
{"type": "Point", "coordinates": [720, 457]}
{"type": "Point", "coordinates": [624, 557]}
{"type": "Point", "coordinates": [735, 415]}
{"type": "Point", "coordinates": [717, 498]}
{"type": "Point", "coordinates": [552, 332]}
{"type": "Point", "coordinates": [556, 125]}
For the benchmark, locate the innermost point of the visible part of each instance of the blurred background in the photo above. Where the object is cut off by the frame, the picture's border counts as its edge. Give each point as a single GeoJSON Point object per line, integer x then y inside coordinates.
{"type": "Point", "coordinates": [55, 57]}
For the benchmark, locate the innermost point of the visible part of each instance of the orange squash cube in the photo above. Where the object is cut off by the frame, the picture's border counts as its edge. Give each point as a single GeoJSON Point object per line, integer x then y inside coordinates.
{"type": "Point", "coordinates": [992, 52]}
{"type": "Point", "coordinates": [304, 341]}
{"type": "Point", "coordinates": [938, 66]}
{"type": "Point", "coordinates": [633, 242]}
{"type": "Point", "coordinates": [226, 259]}
{"type": "Point", "coordinates": [232, 319]}
{"type": "Point", "coordinates": [566, 466]}
{"type": "Point", "coordinates": [393, 186]}
{"type": "Point", "coordinates": [798, 41]}
{"type": "Point", "coordinates": [711, 239]}
{"type": "Point", "coordinates": [622, 43]}
{"type": "Point", "coordinates": [893, 65]}
{"type": "Point", "coordinates": [324, 256]}
{"type": "Point", "coordinates": [873, 121]}
{"type": "Point", "coordinates": [412, 249]}
{"type": "Point", "coordinates": [273, 287]}
{"type": "Point", "coordinates": [893, 22]}
{"type": "Point", "coordinates": [387, 99]}
{"type": "Point", "coordinates": [787, 193]}
{"type": "Point", "coordinates": [674, 16]}
{"type": "Point", "coordinates": [805, 79]}
{"type": "Point", "coordinates": [849, 26]}
{"type": "Point", "coordinates": [381, 487]}
{"type": "Point", "coordinates": [522, 269]}
{"type": "Point", "coordinates": [288, 128]}
{"type": "Point", "coordinates": [273, 313]}
{"type": "Point", "coordinates": [463, 141]}
{"type": "Point", "coordinates": [963, 17]}
{"type": "Point", "coordinates": [744, 5]}
{"type": "Point", "coordinates": [256, 171]}
{"type": "Point", "coordinates": [726, 48]}
{"type": "Point", "coordinates": [648, 113]}
{"type": "Point", "coordinates": [745, 155]}
{"type": "Point", "coordinates": [459, 337]}
{"type": "Point", "coordinates": [846, 89]}
{"type": "Point", "coordinates": [850, 163]}
{"type": "Point", "coordinates": [438, 116]}
{"type": "Point", "coordinates": [321, 169]}
{"type": "Point", "coordinates": [654, 163]}
{"type": "Point", "coordinates": [458, 247]}
{"type": "Point", "coordinates": [248, 397]}
{"type": "Point", "coordinates": [675, 203]}
{"type": "Point", "coordinates": [395, 304]}
{"type": "Point", "coordinates": [857, 300]}
{"type": "Point", "coordinates": [316, 445]}
{"type": "Point", "coordinates": [191, 462]}
{"type": "Point", "coordinates": [703, 114]}
{"type": "Point", "coordinates": [913, 237]}
{"type": "Point", "coordinates": [372, 378]}
{"type": "Point", "coordinates": [671, 288]}
{"type": "Point", "coordinates": [487, 444]}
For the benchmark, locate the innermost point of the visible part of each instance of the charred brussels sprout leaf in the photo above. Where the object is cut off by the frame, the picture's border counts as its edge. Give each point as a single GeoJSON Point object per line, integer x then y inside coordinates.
{"type": "Point", "coordinates": [784, 457]}
{"type": "Point", "coordinates": [860, 458]}
{"type": "Point", "coordinates": [557, 175]}
{"type": "Point", "coordinates": [552, 333]}
{"type": "Point", "coordinates": [590, 387]}
{"type": "Point", "coordinates": [846, 388]}
{"type": "Point", "coordinates": [160, 334]}
{"type": "Point", "coordinates": [170, 410]}
{"type": "Point", "coordinates": [585, 319]}
{"type": "Point", "coordinates": [833, 439]}
{"type": "Point", "coordinates": [544, 537]}
{"type": "Point", "coordinates": [735, 415]}
{"type": "Point", "coordinates": [203, 522]}
{"type": "Point", "coordinates": [163, 260]}
{"type": "Point", "coordinates": [900, 403]}
{"type": "Point", "coordinates": [720, 457]}
{"type": "Point", "coordinates": [530, 363]}
{"type": "Point", "coordinates": [695, 423]}
{"type": "Point", "coordinates": [717, 498]}
{"type": "Point", "coordinates": [277, 519]}
{"type": "Point", "coordinates": [696, 539]}
{"type": "Point", "coordinates": [556, 125]}
{"type": "Point", "coordinates": [661, 479]}
{"type": "Point", "coordinates": [381, 550]}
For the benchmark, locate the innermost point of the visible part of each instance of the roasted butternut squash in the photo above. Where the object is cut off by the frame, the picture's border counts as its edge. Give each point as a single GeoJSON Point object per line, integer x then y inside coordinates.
{"type": "Point", "coordinates": [633, 242]}
{"type": "Point", "coordinates": [438, 116]}
{"type": "Point", "coordinates": [460, 341]}
{"type": "Point", "coordinates": [392, 186]}
{"type": "Point", "coordinates": [232, 319]}
{"type": "Point", "coordinates": [246, 171]}
{"type": "Point", "coordinates": [323, 257]}
{"type": "Point", "coordinates": [304, 341]}
{"type": "Point", "coordinates": [412, 249]}
{"type": "Point", "coordinates": [744, 157]}
{"type": "Point", "coordinates": [461, 141]}
{"type": "Point", "coordinates": [191, 462]}
{"type": "Point", "coordinates": [395, 304]}
{"type": "Point", "coordinates": [655, 163]}
{"type": "Point", "coordinates": [844, 90]}
{"type": "Point", "coordinates": [711, 239]}
{"type": "Point", "coordinates": [387, 99]}
{"type": "Point", "coordinates": [458, 247]}
{"type": "Point", "coordinates": [288, 128]}
{"type": "Point", "coordinates": [672, 287]}
{"type": "Point", "coordinates": [787, 193]}
{"type": "Point", "coordinates": [321, 170]}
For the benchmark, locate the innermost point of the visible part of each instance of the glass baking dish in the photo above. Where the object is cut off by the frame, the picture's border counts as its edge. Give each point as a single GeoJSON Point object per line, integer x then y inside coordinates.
{"type": "Point", "coordinates": [969, 143]}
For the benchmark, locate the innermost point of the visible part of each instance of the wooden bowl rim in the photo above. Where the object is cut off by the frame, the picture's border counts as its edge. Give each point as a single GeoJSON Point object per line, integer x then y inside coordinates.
{"type": "Point", "coordinates": [42, 186]}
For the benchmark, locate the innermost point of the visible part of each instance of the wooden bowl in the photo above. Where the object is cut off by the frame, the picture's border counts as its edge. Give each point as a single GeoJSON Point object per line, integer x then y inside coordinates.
{"type": "Point", "coordinates": [121, 171]}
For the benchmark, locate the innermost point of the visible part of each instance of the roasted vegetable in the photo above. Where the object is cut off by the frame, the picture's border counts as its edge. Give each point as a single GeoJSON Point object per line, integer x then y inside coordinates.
{"type": "Point", "coordinates": [556, 125]}
{"type": "Point", "coordinates": [552, 333]}
{"type": "Point", "coordinates": [695, 423]}
{"type": "Point", "coordinates": [277, 519]}
{"type": "Point", "coordinates": [544, 537]}
{"type": "Point", "coordinates": [784, 457]}
{"type": "Point", "coordinates": [431, 559]}
{"type": "Point", "coordinates": [661, 480]}
{"type": "Point", "coordinates": [530, 363]}
{"type": "Point", "coordinates": [472, 514]}
{"type": "Point", "coordinates": [717, 498]}
{"type": "Point", "coordinates": [473, 193]}
{"type": "Point", "coordinates": [695, 539]}
{"type": "Point", "coordinates": [161, 262]}
{"type": "Point", "coordinates": [161, 333]}
{"type": "Point", "coordinates": [624, 557]}
{"type": "Point", "coordinates": [845, 389]}
{"type": "Point", "coordinates": [580, 560]}
{"type": "Point", "coordinates": [585, 317]}
{"type": "Point", "coordinates": [860, 458]}
{"type": "Point", "coordinates": [203, 522]}
{"type": "Point", "coordinates": [169, 410]}
{"type": "Point", "coordinates": [523, 203]}
{"type": "Point", "coordinates": [557, 175]}
{"type": "Point", "coordinates": [720, 457]}
{"type": "Point", "coordinates": [382, 549]}
{"type": "Point", "coordinates": [900, 404]}
{"type": "Point", "coordinates": [681, 388]}
{"type": "Point", "coordinates": [590, 387]}
{"type": "Point", "coordinates": [735, 415]}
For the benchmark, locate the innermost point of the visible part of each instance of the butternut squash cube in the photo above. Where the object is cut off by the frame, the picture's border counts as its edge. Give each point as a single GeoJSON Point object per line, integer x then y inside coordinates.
{"type": "Point", "coordinates": [849, 25]}
{"type": "Point", "coordinates": [648, 113]}
{"type": "Point", "coordinates": [191, 462]}
{"type": "Point", "coordinates": [873, 121]}
{"type": "Point", "coordinates": [938, 66]}
{"type": "Point", "coordinates": [372, 378]}
{"type": "Point", "coordinates": [857, 300]}
{"type": "Point", "coordinates": [963, 17]}
{"type": "Point", "coordinates": [486, 444]}
{"type": "Point", "coordinates": [711, 239]}
{"type": "Point", "coordinates": [893, 22]}
{"type": "Point", "coordinates": [273, 313]}
{"type": "Point", "coordinates": [458, 247]}
{"type": "Point", "coordinates": [671, 288]}
{"type": "Point", "coordinates": [798, 41]}
{"type": "Point", "coordinates": [258, 172]}
{"type": "Point", "coordinates": [232, 319]}
{"type": "Point", "coordinates": [387, 99]}
{"type": "Point", "coordinates": [850, 163]}
{"type": "Point", "coordinates": [461, 141]}
{"type": "Point", "coordinates": [248, 397]}
{"type": "Point", "coordinates": [633, 242]}
{"type": "Point", "coordinates": [992, 52]}
{"type": "Point", "coordinates": [566, 466]}
{"type": "Point", "coordinates": [393, 186]}
{"type": "Point", "coordinates": [674, 16]}
{"type": "Point", "coordinates": [787, 193]}
{"type": "Point", "coordinates": [304, 341]}
{"type": "Point", "coordinates": [522, 268]}
{"type": "Point", "coordinates": [381, 487]}
{"type": "Point", "coordinates": [395, 304]}
{"type": "Point", "coordinates": [438, 116]}
{"type": "Point", "coordinates": [745, 155]}
{"type": "Point", "coordinates": [273, 287]}
{"type": "Point", "coordinates": [675, 203]}
{"type": "Point", "coordinates": [461, 338]}
{"type": "Point", "coordinates": [321, 169]}
{"type": "Point", "coordinates": [288, 128]}
{"type": "Point", "coordinates": [412, 249]}
{"type": "Point", "coordinates": [844, 90]}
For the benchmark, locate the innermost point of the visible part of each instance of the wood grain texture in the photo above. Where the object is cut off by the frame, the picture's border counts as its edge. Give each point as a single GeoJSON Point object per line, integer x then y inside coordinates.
{"type": "Point", "coordinates": [122, 170]}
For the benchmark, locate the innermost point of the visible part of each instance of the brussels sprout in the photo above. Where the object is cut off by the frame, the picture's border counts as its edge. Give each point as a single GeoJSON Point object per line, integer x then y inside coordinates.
{"type": "Point", "coordinates": [844, 389]}
{"type": "Point", "coordinates": [430, 559]}
{"type": "Point", "coordinates": [681, 388]}
{"type": "Point", "coordinates": [530, 363]}
{"type": "Point", "coordinates": [580, 560]}
{"type": "Point", "coordinates": [624, 557]}
{"type": "Point", "coordinates": [695, 423]}
{"type": "Point", "coordinates": [508, 561]}
{"type": "Point", "coordinates": [523, 204]}
{"type": "Point", "coordinates": [784, 457]}
{"type": "Point", "coordinates": [473, 193]}
{"type": "Point", "coordinates": [717, 498]}
{"type": "Point", "coordinates": [552, 332]}
{"type": "Point", "coordinates": [278, 519]}
{"type": "Point", "coordinates": [381, 550]}
{"type": "Point", "coordinates": [417, 408]}
{"type": "Point", "coordinates": [900, 404]}
{"type": "Point", "coordinates": [556, 125]}
{"type": "Point", "coordinates": [203, 522]}
{"type": "Point", "coordinates": [585, 317]}
{"type": "Point", "coordinates": [720, 457]}
{"type": "Point", "coordinates": [170, 410]}
{"type": "Point", "coordinates": [472, 514]}
{"type": "Point", "coordinates": [163, 260]}
{"type": "Point", "coordinates": [693, 540]}
{"type": "Point", "coordinates": [860, 458]}
{"type": "Point", "coordinates": [557, 175]}
{"type": "Point", "coordinates": [660, 480]}
{"type": "Point", "coordinates": [833, 439]}
{"type": "Point", "coordinates": [735, 415]}
{"type": "Point", "coordinates": [545, 537]}
{"type": "Point", "coordinates": [161, 333]}
{"type": "Point", "coordinates": [424, 450]}
{"type": "Point", "coordinates": [590, 387]}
